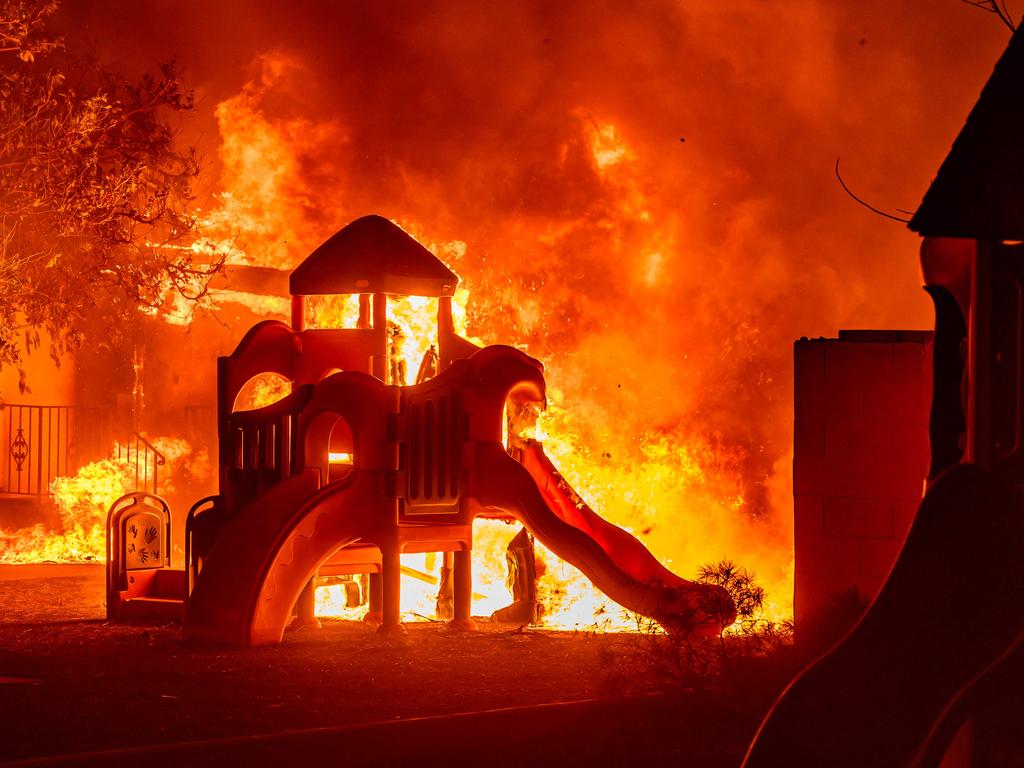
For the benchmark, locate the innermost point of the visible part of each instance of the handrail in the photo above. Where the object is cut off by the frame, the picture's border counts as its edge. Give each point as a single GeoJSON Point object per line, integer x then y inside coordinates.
{"type": "Point", "coordinates": [147, 450]}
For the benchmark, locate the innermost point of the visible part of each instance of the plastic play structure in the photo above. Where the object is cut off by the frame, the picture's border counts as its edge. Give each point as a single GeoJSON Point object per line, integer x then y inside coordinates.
{"type": "Point", "coordinates": [348, 471]}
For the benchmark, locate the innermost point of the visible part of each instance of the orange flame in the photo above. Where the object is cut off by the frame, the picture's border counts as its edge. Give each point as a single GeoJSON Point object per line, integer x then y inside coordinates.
{"type": "Point", "coordinates": [82, 501]}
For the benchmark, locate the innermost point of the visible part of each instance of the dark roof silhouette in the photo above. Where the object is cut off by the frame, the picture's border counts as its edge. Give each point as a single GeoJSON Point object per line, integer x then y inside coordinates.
{"type": "Point", "coordinates": [979, 189]}
{"type": "Point", "coordinates": [372, 255]}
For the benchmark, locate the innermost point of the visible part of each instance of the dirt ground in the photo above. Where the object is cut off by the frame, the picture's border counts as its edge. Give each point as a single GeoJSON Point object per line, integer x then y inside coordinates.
{"type": "Point", "coordinates": [71, 683]}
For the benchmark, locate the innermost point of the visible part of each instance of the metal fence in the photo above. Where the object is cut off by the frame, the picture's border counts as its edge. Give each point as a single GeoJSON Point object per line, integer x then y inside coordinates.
{"type": "Point", "coordinates": [49, 441]}
{"type": "Point", "coordinates": [40, 446]}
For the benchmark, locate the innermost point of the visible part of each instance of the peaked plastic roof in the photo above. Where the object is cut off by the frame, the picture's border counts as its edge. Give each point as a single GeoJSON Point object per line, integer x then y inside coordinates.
{"type": "Point", "coordinates": [979, 189]}
{"type": "Point", "coordinates": [372, 255]}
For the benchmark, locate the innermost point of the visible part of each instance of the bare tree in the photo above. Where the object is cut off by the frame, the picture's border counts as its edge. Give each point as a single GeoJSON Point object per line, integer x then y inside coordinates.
{"type": "Point", "coordinates": [94, 191]}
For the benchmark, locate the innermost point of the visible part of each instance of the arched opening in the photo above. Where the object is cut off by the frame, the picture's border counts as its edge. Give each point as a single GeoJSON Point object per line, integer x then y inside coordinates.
{"type": "Point", "coordinates": [261, 390]}
{"type": "Point", "coordinates": [330, 447]}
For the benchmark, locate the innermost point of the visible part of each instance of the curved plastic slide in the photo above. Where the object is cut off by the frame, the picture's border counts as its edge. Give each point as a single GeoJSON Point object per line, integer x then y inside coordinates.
{"type": "Point", "coordinates": [264, 557]}
{"type": "Point", "coordinates": [620, 566]}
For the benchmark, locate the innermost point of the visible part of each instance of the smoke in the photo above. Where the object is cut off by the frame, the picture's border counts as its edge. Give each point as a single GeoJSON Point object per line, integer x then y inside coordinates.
{"type": "Point", "coordinates": [643, 197]}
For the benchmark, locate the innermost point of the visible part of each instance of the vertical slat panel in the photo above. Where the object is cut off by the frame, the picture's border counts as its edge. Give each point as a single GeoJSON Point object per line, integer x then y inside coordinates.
{"type": "Point", "coordinates": [441, 445]}
{"type": "Point", "coordinates": [429, 444]}
{"type": "Point", "coordinates": [454, 445]}
{"type": "Point", "coordinates": [414, 452]}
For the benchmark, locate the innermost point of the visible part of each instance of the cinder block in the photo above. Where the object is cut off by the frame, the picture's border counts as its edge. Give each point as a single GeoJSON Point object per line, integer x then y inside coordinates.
{"type": "Point", "coordinates": [854, 505]}
{"type": "Point", "coordinates": [824, 398]}
{"type": "Point", "coordinates": [808, 596]}
{"type": "Point", "coordinates": [910, 441]}
{"type": "Point", "coordinates": [877, 556]}
{"type": "Point", "coordinates": [808, 520]}
{"type": "Point", "coordinates": [846, 438]}
{"type": "Point", "coordinates": [853, 361]}
{"type": "Point", "coordinates": [841, 518]}
{"type": "Point", "coordinates": [878, 478]}
{"type": "Point", "coordinates": [808, 538]}
{"type": "Point", "coordinates": [809, 359]}
{"type": "Point", "coordinates": [809, 437]}
{"type": "Point", "coordinates": [843, 557]}
{"type": "Point", "coordinates": [849, 518]}
{"type": "Point", "coordinates": [911, 362]}
{"type": "Point", "coordinates": [822, 477]}
{"type": "Point", "coordinates": [810, 563]}
{"type": "Point", "coordinates": [823, 592]}
{"type": "Point", "coordinates": [837, 559]}
{"type": "Point", "coordinates": [892, 400]}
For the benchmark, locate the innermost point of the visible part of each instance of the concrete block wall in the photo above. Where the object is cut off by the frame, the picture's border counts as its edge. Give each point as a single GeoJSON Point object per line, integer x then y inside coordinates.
{"type": "Point", "coordinates": [860, 458]}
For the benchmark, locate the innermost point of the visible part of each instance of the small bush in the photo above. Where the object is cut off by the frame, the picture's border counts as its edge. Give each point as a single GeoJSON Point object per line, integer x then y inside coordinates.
{"type": "Point", "coordinates": [671, 660]}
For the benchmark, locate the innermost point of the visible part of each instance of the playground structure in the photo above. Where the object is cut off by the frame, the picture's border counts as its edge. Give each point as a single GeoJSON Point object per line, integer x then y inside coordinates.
{"type": "Point", "coordinates": [351, 469]}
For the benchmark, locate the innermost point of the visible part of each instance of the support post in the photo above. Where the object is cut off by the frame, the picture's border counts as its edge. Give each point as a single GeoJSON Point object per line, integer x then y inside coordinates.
{"type": "Point", "coordinates": [305, 608]}
{"type": "Point", "coordinates": [445, 332]}
{"type": "Point", "coordinates": [299, 313]}
{"type": "Point", "coordinates": [379, 359]}
{"type": "Point", "coordinates": [364, 312]}
{"type": "Point", "coordinates": [445, 605]}
{"type": "Point", "coordinates": [463, 582]}
{"type": "Point", "coordinates": [375, 615]}
{"type": "Point", "coordinates": [392, 582]}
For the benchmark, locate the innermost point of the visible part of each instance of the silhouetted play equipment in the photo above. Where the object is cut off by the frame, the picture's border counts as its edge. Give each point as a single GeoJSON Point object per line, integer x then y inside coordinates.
{"type": "Point", "coordinates": [349, 471]}
{"type": "Point", "coordinates": [942, 641]}
{"type": "Point", "coordinates": [140, 581]}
